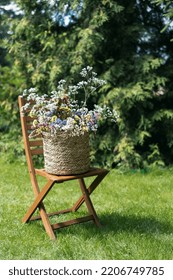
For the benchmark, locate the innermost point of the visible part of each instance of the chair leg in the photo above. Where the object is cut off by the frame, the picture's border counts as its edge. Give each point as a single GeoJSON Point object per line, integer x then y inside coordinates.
{"type": "Point", "coordinates": [91, 188]}
{"type": "Point", "coordinates": [88, 201]}
{"type": "Point", "coordinates": [46, 222]}
{"type": "Point", "coordinates": [39, 204]}
{"type": "Point", "coordinates": [41, 195]}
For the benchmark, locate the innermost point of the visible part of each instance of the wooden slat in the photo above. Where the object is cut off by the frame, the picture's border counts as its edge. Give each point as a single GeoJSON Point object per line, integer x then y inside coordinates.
{"type": "Point", "coordinates": [31, 102]}
{"type": "Point", "coordinates": [35, 143]}
{"type": "Point", "coordinates": [29, 126]}
{"type": "Point", "coordinates": [29, 119]}
{"type": "Point", "coordinates": [63, 178]}
{"type": "Point", "coordinates": [38, 151]}
{"type": "Point", "coordinates": [72, 222]}
{"type": "Point", "coordinates": [38, 217]}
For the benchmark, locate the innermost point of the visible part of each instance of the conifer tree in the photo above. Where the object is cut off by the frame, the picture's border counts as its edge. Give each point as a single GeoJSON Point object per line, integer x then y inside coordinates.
{"type": "Point", "coordinates": [123, 42]}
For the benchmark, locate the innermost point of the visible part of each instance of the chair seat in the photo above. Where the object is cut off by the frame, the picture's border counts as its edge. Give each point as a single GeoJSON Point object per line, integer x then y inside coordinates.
{"type": "Point", "coordinates": [62, 178]}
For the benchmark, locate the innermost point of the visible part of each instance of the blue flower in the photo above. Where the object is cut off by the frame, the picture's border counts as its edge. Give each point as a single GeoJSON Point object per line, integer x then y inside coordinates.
{"type": "Point", "coordinates": [58, 121]}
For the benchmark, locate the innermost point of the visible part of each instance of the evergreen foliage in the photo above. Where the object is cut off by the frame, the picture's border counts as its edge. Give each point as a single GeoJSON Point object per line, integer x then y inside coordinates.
{"type": "Point", "coordinates": [123, 42]}
{"type": "Point", "coordinates": [167, 7]}
{"type": "Point", "coordinates": [10, 77]}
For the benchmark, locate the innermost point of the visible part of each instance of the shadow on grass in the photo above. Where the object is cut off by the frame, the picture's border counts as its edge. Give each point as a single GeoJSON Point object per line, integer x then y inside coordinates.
{"type": "Point", "coordinates": [112, 223]}
{"type": "Point", "coordinates": [132, 223]}
{"type": "Point", "coordinates": [115, 223]}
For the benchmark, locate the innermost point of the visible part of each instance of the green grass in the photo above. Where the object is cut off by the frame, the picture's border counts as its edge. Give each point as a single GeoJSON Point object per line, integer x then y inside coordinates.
{"type": "Point", "coordinates": [135, 209]}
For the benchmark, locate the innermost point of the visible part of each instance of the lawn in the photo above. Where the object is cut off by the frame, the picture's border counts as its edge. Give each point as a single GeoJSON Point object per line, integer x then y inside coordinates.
{"type": "Point", "coordinates": [135, 209]}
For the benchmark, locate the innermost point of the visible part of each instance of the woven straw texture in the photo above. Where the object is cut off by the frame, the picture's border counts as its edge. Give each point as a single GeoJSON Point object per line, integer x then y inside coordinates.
{"type": "Point", "coordinates": [66, 155]}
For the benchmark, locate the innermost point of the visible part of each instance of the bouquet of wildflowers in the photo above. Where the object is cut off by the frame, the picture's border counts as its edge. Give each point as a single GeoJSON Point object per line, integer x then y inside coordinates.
{"type": "Point", "coordinates": [62, 111]}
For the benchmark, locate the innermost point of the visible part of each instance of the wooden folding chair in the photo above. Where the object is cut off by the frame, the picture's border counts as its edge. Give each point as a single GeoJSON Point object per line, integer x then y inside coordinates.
{"type": "Point", "coordinates": [35, 147]}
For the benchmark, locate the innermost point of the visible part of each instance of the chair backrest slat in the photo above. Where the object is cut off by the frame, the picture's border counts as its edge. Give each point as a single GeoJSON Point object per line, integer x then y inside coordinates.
{"type": "Point", "coordinates": [29, 126]}
{"type": "Point", "coordinates": [38, 151]}
{"type": "Point", "coordinates": [29, 119]}
{"type": "Point", "coordinates": [36, 143]}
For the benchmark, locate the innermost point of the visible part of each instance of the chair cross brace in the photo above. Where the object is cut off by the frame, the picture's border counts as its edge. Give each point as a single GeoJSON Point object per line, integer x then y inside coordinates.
{"type": "Point", "coordinates": [84, 198]}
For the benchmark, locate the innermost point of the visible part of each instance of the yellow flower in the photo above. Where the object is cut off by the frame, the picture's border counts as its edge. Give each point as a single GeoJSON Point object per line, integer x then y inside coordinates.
{"type": "Point", "coordinates": [35, 122]}
{"type": "Point", "coordinates": [85, 128]}
{"type": "Point", "coordinates": [77, 118]}
{"type": "Point", "coordinates": [88, 117]}
{"type": "Point", "coordinates": [31, 114]}
{"type": "Point", "coordinates": [54, 118]}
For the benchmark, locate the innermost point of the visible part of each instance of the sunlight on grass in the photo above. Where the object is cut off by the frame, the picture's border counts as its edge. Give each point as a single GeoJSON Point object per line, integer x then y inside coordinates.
{"type": "Point", "coordinates": [135, 211]}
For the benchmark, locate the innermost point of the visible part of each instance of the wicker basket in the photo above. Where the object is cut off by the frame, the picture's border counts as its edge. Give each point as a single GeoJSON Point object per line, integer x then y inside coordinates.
{"type": "Point", "coordinates": [65, 154]}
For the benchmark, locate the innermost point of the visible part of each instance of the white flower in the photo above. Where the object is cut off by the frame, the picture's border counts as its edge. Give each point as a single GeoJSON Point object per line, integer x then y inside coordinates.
{"type": "Point", "coordinates": [32, 90]}
{"type": "Point", "coordinates": [62, 111]}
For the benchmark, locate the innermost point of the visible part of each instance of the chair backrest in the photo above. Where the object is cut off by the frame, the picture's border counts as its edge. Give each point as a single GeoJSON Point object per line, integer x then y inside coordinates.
{"type": "Point", "coordinates": [33, 146]}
